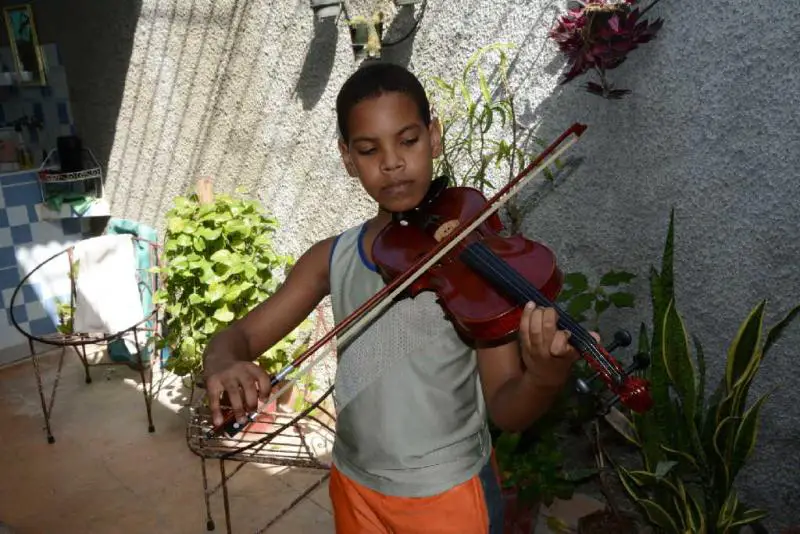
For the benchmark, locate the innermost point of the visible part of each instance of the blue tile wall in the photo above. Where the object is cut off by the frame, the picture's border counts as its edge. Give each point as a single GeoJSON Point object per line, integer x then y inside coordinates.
{"type": "Point", "coordinates": [24, 235]}
{"type": "Point", "coordinates": [50, 103]}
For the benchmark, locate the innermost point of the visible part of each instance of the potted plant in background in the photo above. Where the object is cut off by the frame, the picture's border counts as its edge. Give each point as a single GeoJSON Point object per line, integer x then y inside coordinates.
{"type": "Point", "coordinates": [691, 448]}
{"type": "Point", "coordinates": [598, 35]}
{"type": "Point", "coordinates": [220, 262]}
{"type": "Point", "coordinates": [366, 34]}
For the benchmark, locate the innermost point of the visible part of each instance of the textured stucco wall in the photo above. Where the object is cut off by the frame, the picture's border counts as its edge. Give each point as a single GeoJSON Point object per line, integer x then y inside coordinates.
{"type": "Point", "coordinates": [244, 92]}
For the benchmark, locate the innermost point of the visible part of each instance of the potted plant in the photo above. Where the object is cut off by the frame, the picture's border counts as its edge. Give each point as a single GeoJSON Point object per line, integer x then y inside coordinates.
{"type": "Point", "coordinates": [366, 34]}
{"type": "Point", "coordinates": [598, 35]}
{"type": "Point", "coordinates": [219, 263]}
{"type": "Point", "coordinates": [691, 448]}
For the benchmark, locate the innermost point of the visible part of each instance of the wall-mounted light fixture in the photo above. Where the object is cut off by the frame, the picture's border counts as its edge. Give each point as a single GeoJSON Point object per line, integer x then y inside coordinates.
{"type": "Point", "coordinates": [325, 9]}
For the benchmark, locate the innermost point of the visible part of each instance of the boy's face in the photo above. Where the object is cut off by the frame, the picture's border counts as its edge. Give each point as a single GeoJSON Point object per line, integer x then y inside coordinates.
{"type": "Point", "coordinates": [391, 151]}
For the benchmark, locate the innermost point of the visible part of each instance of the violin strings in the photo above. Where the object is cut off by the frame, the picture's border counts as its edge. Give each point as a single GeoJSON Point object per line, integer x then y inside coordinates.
{"type": "Point", "coordinates": [518, 284]}
{"type": "Point", "coordinates": [483, 257]}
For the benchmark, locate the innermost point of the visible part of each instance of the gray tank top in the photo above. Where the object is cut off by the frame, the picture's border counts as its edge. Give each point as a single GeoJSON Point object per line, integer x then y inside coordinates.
{"type": "Point", "coordinates": [411, 418]}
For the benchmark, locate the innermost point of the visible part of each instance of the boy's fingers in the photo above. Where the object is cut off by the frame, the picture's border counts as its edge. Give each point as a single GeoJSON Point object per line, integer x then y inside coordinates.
{"type": "Point", "coordinates": [214, 389]}
{"type": "Point", "coordinates": [263, 381]}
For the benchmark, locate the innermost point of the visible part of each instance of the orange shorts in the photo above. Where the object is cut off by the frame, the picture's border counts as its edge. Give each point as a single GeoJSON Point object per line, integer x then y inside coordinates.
{"type": "Point", "coordinates": [474, 507]}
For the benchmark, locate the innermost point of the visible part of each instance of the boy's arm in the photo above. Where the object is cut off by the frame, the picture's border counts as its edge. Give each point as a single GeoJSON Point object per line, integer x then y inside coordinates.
{"type": "Point", "coordinates": [228, 359]}
{"type": "Point", "coordinates": [521, 379]}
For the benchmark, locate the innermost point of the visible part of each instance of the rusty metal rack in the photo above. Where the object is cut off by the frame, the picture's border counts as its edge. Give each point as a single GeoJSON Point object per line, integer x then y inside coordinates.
{"type": "Point", "coordinates": [302, 439]}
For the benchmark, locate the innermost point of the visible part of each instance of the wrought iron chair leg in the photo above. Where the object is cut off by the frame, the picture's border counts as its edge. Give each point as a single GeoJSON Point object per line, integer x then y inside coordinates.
{"type": "Point", "coordinates": [47, 408]}
{"type": "Point", "coordinates": [209, 521]}
{"type": "Point", "coordinates": [225, 496]}
{"type": "Point", "coordinates": [85, 362]}
{"type": "Point", "coordinates": [148, 394]}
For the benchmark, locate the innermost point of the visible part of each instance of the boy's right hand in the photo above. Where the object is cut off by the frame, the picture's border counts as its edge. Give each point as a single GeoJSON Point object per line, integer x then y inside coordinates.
{"type": "Point", "coordinates": [244, 382]}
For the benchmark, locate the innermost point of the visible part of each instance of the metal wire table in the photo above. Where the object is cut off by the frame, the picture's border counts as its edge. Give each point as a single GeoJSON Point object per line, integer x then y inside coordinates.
{"type": "Point", "coordinates": [302, 439]}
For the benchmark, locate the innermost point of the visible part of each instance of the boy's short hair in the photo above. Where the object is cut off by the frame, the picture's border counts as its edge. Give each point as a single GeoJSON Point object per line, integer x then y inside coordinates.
{"type": "Point", "coordinates": [373, 79]}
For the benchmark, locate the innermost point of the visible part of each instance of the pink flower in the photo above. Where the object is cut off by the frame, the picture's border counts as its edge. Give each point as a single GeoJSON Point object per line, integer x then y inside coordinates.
{"type": "Point", "coordinates": [599, 34]}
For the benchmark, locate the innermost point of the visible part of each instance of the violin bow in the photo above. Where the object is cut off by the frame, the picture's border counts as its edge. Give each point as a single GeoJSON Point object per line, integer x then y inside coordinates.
{"type": "Point", "coordinates": [378, 302]}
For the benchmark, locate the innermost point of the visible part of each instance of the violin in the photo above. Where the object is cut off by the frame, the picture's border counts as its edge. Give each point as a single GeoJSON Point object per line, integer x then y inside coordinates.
{"type": "Point", "coordinates": [485, 281]}
{"type": "Point", "coordinates": [451, 244]}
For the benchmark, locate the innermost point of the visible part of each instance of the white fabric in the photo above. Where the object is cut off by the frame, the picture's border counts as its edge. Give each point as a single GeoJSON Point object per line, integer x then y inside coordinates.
{"type": "Point", "coordinates": [108, 298]}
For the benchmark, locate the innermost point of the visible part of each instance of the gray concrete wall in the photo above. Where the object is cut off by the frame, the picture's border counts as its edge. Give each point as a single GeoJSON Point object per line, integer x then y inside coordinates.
{"type": "Point", "coordinates": [244, 92]}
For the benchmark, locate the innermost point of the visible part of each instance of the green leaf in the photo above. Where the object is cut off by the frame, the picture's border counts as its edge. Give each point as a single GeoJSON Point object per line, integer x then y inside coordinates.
{"type": "Point", "coordinates": [580, 304]}
{"type": "Point", "coordinates": [222, 256]}
{"type": "Point", "coordinates": [748, 517]}
{"type": "Point", "coordinates": [615, 278]}
{"type": "Point", "coordinates": [577, 281]}
{"type": "Point", "coordinates": [659, 516]}
{"type": "Point", "coordinates": [745, 440]}
{"type": "Point", "coordinates": [175, 225]}
{"type": "Point", "coordinates": [214, 293]}
{"type": "Point", "coordinates": [745, 346]}
{"type": "Point", "coordinates": [209, 234]}
{"type": "Point", "coordinates": [776, 331]}
{"type": "Point", "coordinates": [224, 315]}
{"type": "Point", "coordinates": [664, 467]}
{"type": "Point", "coordinates": [622, 299]}
{"type": "Point", "coordinates": [678, 362]}
{"type": "Point", "coordinates": [601, 305]}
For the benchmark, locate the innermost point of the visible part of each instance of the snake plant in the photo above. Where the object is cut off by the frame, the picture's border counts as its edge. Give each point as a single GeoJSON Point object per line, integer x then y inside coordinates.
{"type": "Point", "coordinates": [693, 448]}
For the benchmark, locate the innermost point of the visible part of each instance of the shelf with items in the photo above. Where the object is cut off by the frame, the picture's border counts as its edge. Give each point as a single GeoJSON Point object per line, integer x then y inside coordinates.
{"type": "Point", "coordinates": [59, 182]}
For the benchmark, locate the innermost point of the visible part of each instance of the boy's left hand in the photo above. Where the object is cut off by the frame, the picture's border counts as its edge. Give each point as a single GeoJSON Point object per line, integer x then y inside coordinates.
{"type": "Point", "coordinates": [546, 353]}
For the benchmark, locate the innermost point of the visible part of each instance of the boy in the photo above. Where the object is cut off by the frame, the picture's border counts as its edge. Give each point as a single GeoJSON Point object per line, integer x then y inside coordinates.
{"type": "Point", "coordinates": [413, 451]}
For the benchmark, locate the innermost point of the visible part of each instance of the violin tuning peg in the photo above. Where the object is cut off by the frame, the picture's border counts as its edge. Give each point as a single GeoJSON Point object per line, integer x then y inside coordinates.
{"type": "Point", "coordinates": [622, 338]}
{"type": "Point", "coordinates": [641, 361]}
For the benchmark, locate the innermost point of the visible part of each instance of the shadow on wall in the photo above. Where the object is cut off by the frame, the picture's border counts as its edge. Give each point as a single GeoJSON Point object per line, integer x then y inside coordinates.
{"type": "Point", "coordinates": [318, 63]}
{"type": "Point", "coordinates": [717, 151]}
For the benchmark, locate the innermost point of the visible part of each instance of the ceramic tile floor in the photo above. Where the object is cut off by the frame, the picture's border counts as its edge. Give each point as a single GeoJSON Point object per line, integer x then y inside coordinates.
{"type": "Point", "coordinates": [106, 474]}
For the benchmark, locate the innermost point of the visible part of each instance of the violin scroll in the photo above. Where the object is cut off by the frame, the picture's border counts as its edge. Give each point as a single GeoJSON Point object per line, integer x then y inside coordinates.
{"type": "Point", "coordinates": [631, 391]}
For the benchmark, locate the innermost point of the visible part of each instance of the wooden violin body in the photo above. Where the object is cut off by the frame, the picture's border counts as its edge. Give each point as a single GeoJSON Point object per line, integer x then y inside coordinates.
{"type": "Point", "coordinates": [478, 312]}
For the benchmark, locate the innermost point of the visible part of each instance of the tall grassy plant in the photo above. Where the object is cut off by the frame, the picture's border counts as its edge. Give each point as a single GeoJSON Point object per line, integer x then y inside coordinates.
{"type": "Point", "coordinates": [483, 144]}
{"type": "Point", "coordinates": [693, 448]}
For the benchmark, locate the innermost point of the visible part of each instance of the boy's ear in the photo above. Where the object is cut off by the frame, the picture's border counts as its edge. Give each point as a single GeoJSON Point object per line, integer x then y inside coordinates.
{"type": "Point", "coordinates": [435, 133]}
{"type": "Point", "coordinates": [348, 162]}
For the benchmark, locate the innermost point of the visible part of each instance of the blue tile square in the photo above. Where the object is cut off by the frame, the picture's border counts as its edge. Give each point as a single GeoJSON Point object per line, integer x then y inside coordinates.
{"type": "Point", "coordinates": [32, 215]}
{"type": "Point", "coordinates": [3, 218]}
{"type": "Point", "coordinates": [71, 226]}
{"type": "Point", "coordinates": [29, 293]}
{"type": "Point", "coordinates": [21, 235]}
{"type": "Point", "coordinates": [63, 113]}
{"type": "Point", "coordinates": [20, 314]}
{"type": "Point", "coordinates": [22, 195]}
{"type": "Point", "coordinates": [7, 257]}
{"type": "Point", "coordinates": [42, 327]}
{"type": "Point", "coordinates": [9, 278]}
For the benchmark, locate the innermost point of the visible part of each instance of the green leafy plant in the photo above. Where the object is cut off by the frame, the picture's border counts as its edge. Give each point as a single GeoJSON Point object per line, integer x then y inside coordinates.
{"type": "Point", "coordinates": [579, 298]}
{"type": "Point", "coordinates": [693, 448]}
{"type": "Point", "coordinates": [219, 264]}
{"type": "Point", "coordinates": [536, 468]}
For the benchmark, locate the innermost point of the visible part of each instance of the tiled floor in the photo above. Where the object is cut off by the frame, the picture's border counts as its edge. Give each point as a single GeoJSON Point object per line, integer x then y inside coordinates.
{"type": "Point", "coordinates": [106, 474]}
